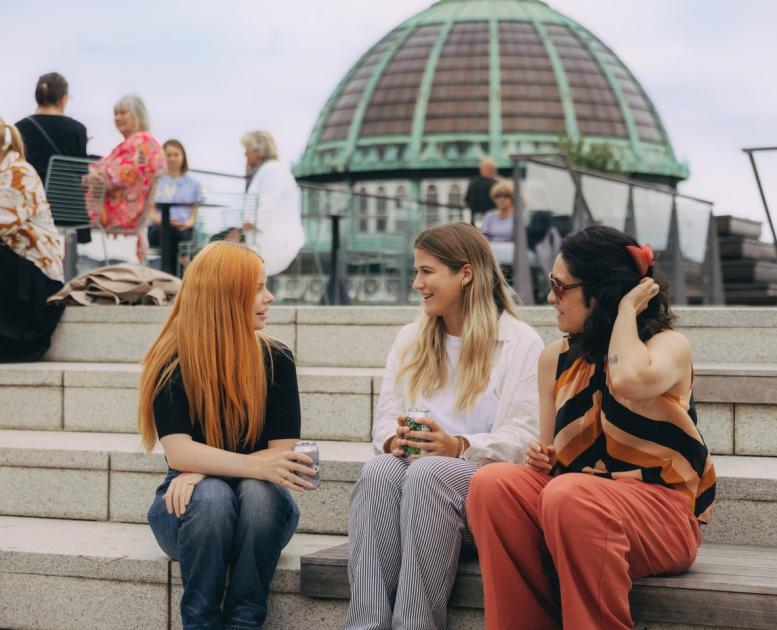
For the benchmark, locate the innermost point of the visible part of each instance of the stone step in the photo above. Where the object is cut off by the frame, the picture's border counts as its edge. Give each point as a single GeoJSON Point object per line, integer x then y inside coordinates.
{"type": "Point", "coordinates": [76, 575]}
{"type": "Point", "coordinates": [737, 403]}
{"type": "Point", "coordinates": [337, 403]}
{"type": "Point", "coordinates": [728, 586]}
{"type": "Point", "coordinates": [361, 336]}
{"type": "Point", "coordinates": [106, 477]}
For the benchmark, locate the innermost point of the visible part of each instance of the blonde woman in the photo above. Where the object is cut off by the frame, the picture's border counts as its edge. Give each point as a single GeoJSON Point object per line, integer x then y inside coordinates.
{"type": "Point", "coordinates": [472, 364]}
{"type": "Point", "coordinates": [122, 180]}
{"type": "Point", "coordinates": [30, 256]}
{"type": "Point", "coordinates": [222, 398]}
{"type": "Point", "coordinates": [276, 229]}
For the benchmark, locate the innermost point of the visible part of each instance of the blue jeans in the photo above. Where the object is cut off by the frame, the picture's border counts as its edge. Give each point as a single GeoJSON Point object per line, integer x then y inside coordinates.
{"type": "Point", "coordinates": [241, 525]}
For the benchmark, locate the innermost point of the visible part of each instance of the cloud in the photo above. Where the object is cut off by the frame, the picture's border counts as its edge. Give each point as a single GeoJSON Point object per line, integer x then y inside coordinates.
{"type": "Point", "coordinates": [209, 71]}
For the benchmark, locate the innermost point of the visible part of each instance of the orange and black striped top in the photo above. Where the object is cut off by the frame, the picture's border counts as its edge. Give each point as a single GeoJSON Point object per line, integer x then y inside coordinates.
{"type": "Point", "coordinates": [655, 440]}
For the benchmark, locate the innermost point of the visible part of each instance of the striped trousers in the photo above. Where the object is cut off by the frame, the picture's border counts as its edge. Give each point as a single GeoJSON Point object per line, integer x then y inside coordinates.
{"type": "Point", "coordinates": [406, 527]}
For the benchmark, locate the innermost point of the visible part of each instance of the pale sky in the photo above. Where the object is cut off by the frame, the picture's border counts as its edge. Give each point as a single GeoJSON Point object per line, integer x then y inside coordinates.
{"type": "Point", "coordinates": [209, 71]}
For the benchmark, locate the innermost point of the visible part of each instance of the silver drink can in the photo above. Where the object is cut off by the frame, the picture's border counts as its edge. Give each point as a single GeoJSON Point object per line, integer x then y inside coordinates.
{"type": "Point", "coordinates": [311, 450]}
{"type": "Point", "coordinates": [412, 416]}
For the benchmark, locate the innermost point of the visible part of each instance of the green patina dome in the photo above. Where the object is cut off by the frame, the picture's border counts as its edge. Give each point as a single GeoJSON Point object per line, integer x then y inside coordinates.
{"type": "Point", "coordinates": [468, 78]}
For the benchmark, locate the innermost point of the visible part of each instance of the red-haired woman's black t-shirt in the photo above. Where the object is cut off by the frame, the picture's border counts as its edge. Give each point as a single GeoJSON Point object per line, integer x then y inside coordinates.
{"type": "Point", "coordinates": [282, 415]}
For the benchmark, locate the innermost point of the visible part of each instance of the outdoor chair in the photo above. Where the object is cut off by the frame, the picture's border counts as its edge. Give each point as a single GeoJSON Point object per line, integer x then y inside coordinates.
{"type": "Point", "coordinates": [67, 191]}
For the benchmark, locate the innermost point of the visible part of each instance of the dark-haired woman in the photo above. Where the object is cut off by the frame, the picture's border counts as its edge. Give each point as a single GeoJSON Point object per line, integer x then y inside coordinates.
{"type": "Point", "coordinates": [621, 477]}
{"type": "Point", "coordinates": [48, 131]}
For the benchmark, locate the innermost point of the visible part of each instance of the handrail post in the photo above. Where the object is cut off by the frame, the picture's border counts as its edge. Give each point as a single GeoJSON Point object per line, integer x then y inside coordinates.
{"type": "Point", "coordinates": [167, 251]}
{"type": "Point", "coordinates": [522, 280]}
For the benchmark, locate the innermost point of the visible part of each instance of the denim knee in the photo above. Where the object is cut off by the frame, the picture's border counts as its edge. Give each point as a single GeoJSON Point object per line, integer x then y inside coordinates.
{"type": "Point", "coordinates": [213, 507]}
{"type": "Point", "coordinates": [265, 506]}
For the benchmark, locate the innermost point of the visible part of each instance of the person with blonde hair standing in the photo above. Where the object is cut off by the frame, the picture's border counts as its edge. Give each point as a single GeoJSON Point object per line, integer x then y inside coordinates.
{"type": "Point", "coordinates": [276, 229]}
{"type": "Point", "coordinates": [121, 182]}
{"type": "Point", "coordinates": [222, 398]}
{"type": "Point", "coordinates": [30, 256]}
{"type": "Point", "coordinates": [472, 366]}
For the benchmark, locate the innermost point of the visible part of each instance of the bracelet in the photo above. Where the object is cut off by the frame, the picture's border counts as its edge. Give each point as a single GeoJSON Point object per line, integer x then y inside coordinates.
{"type": "Point", "coordinates": [462, 447]}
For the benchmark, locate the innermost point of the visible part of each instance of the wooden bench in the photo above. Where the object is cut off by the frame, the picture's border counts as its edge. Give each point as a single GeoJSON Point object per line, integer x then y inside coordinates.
{"type": "Point", "coordinates": [728, 586]}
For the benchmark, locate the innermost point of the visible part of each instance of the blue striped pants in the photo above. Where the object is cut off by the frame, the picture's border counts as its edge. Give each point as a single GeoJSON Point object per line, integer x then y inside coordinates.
{"type": "Point", "coordinates": [406, 527]}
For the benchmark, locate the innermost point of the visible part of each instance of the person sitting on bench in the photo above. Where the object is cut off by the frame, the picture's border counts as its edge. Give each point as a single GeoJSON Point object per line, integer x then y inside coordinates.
{"type": "Point", "coordinates": [621, 478]}
{"type": "Point", "coordinates": [471, 365]}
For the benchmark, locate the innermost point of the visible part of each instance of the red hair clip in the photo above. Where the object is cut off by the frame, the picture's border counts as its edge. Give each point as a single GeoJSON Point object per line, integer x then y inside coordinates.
{"type": "Point", "coordinates": [643, 257]}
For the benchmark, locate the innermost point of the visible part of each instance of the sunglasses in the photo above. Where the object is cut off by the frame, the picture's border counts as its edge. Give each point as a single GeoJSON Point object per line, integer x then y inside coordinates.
{"type": "Point", "coordinates": [558, 288]}
{"type": "Point", "coordinates": [505, 195]}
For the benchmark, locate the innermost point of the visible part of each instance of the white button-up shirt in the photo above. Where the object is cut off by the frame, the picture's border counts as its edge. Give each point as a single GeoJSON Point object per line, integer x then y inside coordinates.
{"type": "Point", "coordinates": [513, 382]}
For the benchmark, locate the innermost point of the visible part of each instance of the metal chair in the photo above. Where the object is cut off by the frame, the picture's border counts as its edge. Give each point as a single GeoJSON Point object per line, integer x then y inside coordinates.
{"type": "Point", "coordinates": [68, 195]}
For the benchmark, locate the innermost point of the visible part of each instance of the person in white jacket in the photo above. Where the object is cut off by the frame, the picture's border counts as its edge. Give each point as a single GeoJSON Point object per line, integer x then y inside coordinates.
{"type": "Point", "coordinates": [472, 365]}
{"type": "Point", "coordinates": [276, 233]}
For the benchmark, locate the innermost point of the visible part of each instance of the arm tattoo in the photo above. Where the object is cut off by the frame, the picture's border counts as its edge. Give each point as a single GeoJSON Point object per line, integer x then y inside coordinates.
{"type": "Point", "coordinates": [613, 359]}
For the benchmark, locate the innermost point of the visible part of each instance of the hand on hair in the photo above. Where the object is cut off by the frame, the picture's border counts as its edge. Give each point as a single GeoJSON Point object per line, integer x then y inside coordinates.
{"type": "Point", "coordinates": [540, 458]}
{"type": "Point", "coordinates": [179, 492]}
{"type": "Point", "coordinates": [277, 466]}
{"type": "Point", "coordinates": [639, 297]}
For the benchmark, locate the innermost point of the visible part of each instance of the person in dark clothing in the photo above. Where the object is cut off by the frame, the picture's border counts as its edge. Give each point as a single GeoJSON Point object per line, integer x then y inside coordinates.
{"type": "Point", "coordinates": [48, 131]}
{"type": "Point", "coordinates": [478, 196]}
{"type": "Point", "coordinates": [222, 398]}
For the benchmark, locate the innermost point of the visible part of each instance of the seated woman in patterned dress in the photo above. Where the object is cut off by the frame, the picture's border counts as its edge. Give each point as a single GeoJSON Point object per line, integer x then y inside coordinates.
{"type": "Point", "coordinates": [30, 256]}
{"type": "Point", "coordinates": [621, 478]}
{"type": "Point", "coordinates": [121, 182]}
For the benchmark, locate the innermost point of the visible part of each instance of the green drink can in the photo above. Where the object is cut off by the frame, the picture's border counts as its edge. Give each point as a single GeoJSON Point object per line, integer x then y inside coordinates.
{"type": "Point", "coordinates": [412, 416]}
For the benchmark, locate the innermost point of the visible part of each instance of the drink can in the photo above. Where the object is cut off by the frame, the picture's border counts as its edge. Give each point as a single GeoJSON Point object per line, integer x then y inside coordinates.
{"type": "Point", "coordinates": [412, 416]}
{"type": "Point", "coordinates": [311, 450]}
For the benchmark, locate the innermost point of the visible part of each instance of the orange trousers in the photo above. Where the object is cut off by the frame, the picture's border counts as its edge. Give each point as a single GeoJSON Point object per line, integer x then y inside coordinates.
{"type": "Point", "coordinates": [598, 533]}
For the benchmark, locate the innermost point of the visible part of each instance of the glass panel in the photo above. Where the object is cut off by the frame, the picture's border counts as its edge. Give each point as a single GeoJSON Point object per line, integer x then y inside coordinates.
{"type": "Point", "coordinates": [549, 188]}
{"type": "Point", "coordinates": [607, 200]}
{"type": "Point", "coordinates": [652, 215]}
{"type": "Point", "coordinates": [693, 222]}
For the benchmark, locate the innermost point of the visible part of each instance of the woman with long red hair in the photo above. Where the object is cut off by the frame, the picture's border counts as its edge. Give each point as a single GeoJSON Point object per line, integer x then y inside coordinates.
{"type": "Point", "coordinates": [222, 398]}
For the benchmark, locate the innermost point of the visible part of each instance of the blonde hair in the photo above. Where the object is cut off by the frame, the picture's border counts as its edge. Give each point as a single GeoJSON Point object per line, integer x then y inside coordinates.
{"type": "Point", "coordinates": [209, 336]}
{"type": "Point", "coordinates": [10, 139]}
{"type": "Point", "coordinates": [261, 141]}
{"type": "Point", "coordinates": [423, 368]}
{"type": "Point", "coordinates": [501, 187]}
{"type": "Point", "coordinates": [135, 106]}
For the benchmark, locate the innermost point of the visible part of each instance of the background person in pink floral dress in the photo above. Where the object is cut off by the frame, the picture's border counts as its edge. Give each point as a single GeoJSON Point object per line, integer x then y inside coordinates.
{"type": "Point", "coordinates": [127, 174]}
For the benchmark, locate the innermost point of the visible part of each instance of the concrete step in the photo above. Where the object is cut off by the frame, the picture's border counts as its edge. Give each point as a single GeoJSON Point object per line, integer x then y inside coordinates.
{"type": "Point", "coordinates": [728, 586]}
{"type": "Point", "coordinates": [737, 403]}
{"type": "Point", "coordinates": [362, 336]}
{"type": "Point", "coordinates": [106, 477]}
{"type": "Point", "coordinates": [76, 575]}
{"type": "Point", "coordinates": [337, 403]}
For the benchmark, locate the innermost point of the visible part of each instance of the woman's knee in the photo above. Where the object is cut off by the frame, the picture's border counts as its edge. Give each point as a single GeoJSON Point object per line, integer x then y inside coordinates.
{"type": "Point", "coordinates": [266, 505]}
{"type": "Point", "coordinates": [214, 497]}
{"type": "Point", "coordinates": [428, 473]}
{"type": "Point", "coordinates": [381, 472]}
{"type": "Point", "coordinates": [492, 482]}
{"type": "Point", "coordinates": [564, 496]}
